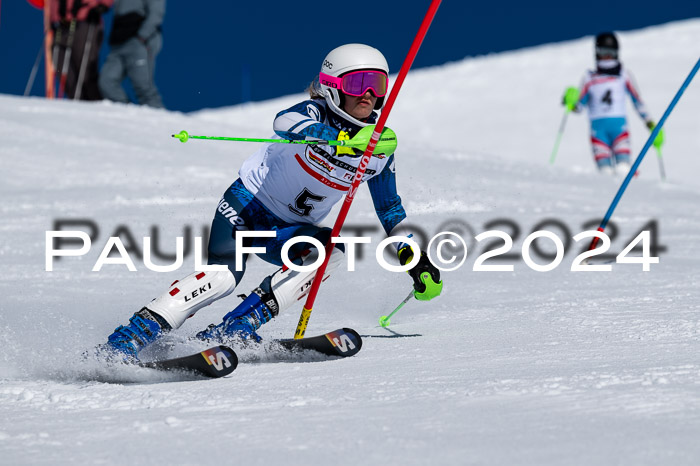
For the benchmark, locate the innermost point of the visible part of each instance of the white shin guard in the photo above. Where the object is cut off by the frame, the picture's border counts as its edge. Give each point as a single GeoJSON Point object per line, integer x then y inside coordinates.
{"type": "Point", "coordinates": [185, 297]}
{"type": "Point", "coordinates": [289, 286]}
{"type": "Point", "coordinates": [607, 170]}
{"type": "Point", "coordinates": [622, 168]}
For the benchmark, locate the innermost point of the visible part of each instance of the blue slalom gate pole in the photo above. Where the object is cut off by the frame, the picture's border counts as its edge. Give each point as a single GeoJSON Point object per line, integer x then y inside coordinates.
{"type": "Point", "coordinates": [641, 155]}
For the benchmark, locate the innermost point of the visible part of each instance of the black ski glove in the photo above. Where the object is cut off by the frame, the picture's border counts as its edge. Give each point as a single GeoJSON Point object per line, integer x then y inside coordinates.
{"type": "Point", "coordinates": [426, 277]}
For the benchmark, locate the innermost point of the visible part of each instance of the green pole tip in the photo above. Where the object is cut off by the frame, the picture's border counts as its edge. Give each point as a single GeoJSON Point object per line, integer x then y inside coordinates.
{"type": "Point", "coordinates": [182, 136]}
{"type": "Point", "coordinates": [384, 321]}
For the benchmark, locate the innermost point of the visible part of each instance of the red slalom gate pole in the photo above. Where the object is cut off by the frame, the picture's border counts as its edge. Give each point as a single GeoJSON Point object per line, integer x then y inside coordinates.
{"type": "Point", "coordinates": [364, 162]}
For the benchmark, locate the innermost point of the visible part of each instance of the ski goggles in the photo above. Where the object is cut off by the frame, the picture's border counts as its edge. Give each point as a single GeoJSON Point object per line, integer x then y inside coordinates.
{"type": "Point", "coordinates": [357, 83]}
{"type": "Point", "coordinates": [606, 52]}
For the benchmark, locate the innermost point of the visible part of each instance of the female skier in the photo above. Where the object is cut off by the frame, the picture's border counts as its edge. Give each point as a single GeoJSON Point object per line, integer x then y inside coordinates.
{"type": "Point", "coordinates": [288, 190]}
{"type": "Point", "coordinates": [603, 91]}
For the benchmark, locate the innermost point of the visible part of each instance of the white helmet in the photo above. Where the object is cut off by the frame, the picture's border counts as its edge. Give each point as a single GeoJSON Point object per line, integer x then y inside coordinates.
{"type": "Point", "coordinates": [347, 58]}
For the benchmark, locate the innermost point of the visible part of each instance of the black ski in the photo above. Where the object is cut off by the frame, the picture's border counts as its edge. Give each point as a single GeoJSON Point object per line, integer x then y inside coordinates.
{"type": "Point", "coordinates": [344, 342]}
{"type": "Point", "coordinates": [217, 361]}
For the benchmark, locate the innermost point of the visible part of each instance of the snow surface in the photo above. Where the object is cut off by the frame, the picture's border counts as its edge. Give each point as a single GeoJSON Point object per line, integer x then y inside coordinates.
{"type": "Point", "coordinates": [514, 367]}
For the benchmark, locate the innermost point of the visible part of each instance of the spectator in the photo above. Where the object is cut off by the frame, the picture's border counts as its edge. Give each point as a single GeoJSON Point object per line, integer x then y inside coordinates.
{"type": "Point", "coordinates": [135, 41]}
{"type": "Point", "coordinates": [78, 32]}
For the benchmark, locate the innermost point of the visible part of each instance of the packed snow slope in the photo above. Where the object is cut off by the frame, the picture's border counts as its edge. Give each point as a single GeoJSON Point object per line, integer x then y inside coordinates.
{"type": "Point", "coordinates": [518, 367]}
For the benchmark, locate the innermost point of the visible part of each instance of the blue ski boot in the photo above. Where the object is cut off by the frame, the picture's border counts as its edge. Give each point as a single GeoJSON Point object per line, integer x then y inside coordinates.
{"type": "Point", "coordinates": [144, 328]}
{"type": "Point", "coordinates": [241, 323]}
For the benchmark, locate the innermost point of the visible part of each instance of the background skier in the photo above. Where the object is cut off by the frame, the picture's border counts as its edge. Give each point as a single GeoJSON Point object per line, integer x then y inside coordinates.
{"type": "Point", "coordinates": [603, 92]}
{"type": "Point", "coordinates": [289, 189]}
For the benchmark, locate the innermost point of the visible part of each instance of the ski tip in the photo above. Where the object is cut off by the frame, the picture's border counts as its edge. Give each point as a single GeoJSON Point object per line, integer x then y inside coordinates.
{"type": "Point", "coordinates": [346, 342]}
{"type": "Point", "coordinates": [343, 342]}
{"type": "Point", "coordinates": [221, 361]}
{"type": "Point", "coordinates": [215, 362]}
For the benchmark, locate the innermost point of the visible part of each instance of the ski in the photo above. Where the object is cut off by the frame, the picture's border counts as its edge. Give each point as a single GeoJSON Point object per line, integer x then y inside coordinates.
{"type": "Point", "coordinates": [344, 342]}
{"type": "Point", "coordinates": [217, 361]}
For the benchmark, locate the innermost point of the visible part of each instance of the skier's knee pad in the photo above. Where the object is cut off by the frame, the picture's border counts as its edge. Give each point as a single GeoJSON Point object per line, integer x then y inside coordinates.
{"type": "Point", "coordinates": [185, 297]}
{"type": "Point", "coordinates": [289, 286]}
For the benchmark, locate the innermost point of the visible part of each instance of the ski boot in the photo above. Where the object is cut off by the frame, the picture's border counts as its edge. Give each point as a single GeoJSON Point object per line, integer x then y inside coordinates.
{"type": "Point", "coordinates": [124, 344]}
{"type": "Point", "coordinates": [242, 322]}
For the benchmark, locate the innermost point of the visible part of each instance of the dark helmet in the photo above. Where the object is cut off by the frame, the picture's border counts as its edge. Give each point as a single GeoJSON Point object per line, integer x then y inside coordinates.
{"type": "Point", "coordinates": [606, 45]}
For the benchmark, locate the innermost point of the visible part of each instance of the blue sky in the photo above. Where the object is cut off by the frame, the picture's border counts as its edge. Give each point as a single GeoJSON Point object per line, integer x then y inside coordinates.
{"type": "Point", "coordinates": [224, 52]}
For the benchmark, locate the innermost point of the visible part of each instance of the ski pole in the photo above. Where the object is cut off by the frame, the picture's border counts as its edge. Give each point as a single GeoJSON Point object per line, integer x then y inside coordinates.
{"type": "Point", "coordinates": [661, 164]}
{"type": "Point", "coordinates": [183, 136]}
{"type": "Point", "coordinates": [83, 62]}
{"type": "Point", "coordinates": [388, 139]}
{"type": "Point", "coordinates": [559, 135]}
{"type": "Point", "coordinates": [55, 50]}
{"type": "Point", "coordinates": [32, 75]}
{"type": "Point", "coordinates": [385, 321]}
{"type": "Point", "coordinates": [364, 162]}
{"type": "Point", "coordinates": [66, 60]}
{"type": "Point", "coordinates": [641, 155]}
